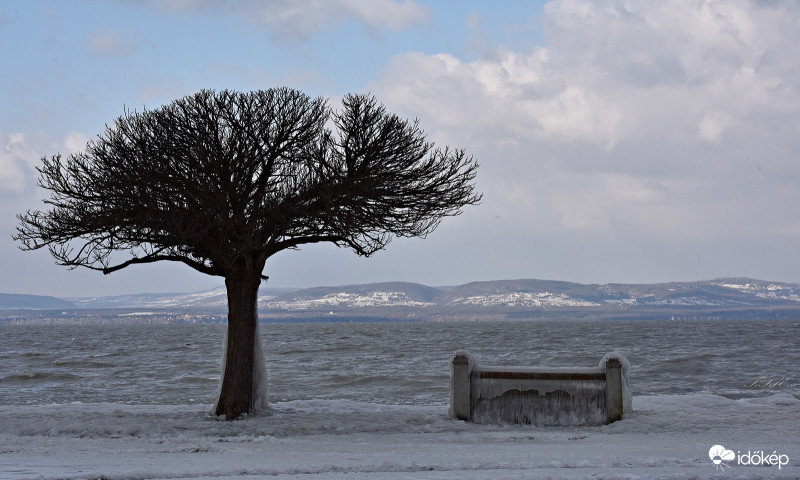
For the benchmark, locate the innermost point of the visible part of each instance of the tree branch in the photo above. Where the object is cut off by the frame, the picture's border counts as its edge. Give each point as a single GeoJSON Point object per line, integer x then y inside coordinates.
{"type": "Point", "coordinates": [200, 267]}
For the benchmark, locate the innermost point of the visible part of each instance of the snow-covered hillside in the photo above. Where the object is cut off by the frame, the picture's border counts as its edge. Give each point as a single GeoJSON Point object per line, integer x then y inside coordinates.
{"type": "Point", "coordinates": [740, 297]}
{"type": "Point", "coordinates": [344, 299]}
{"type": "Point", "coordinates": [524, 299]}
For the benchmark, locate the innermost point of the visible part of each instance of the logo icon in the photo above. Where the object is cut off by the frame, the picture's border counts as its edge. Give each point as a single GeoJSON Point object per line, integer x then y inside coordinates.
{"type": "Point", "coordinates": [719, 455]}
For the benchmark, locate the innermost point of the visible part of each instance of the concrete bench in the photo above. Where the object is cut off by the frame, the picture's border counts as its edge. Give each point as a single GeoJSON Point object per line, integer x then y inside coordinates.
{"type": "Point", "coordinates": [540, 396]}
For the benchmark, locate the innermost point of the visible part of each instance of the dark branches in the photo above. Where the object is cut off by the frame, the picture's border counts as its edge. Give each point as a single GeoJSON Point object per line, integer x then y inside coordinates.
{"type": "Point", "coordinates": [221, 181]}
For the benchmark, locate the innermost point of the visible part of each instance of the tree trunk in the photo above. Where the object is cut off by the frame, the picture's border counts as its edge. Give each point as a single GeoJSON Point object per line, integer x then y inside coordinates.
{"type": "Point", "coordinates": [236, 391]}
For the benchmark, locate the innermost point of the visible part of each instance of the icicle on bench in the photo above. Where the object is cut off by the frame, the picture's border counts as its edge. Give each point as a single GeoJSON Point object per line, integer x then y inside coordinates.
{"type": "Point", "coordinates": [540, 396]}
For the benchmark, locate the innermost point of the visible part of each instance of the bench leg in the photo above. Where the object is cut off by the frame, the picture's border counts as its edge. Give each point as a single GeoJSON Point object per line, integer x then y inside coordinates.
{"type": "Point", "coordinates": [613, 390]}
{"type": "Point", "coordinates": [462, 403]}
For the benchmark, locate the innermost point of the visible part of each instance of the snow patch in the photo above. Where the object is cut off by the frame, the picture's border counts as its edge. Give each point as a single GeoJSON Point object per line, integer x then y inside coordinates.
{"type": "Point", "coordinates": [374, 299]}
{"type": "Point", "coordinates": [524, 299]}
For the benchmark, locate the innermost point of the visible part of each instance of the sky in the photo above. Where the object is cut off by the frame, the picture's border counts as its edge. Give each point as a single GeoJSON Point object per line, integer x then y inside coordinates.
{"type": "Point", "coordinates": [618, 141]}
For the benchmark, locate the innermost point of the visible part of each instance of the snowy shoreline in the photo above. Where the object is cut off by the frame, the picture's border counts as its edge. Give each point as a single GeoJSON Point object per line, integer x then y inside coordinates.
{"type": "Point", "coordinates": [667, 436]}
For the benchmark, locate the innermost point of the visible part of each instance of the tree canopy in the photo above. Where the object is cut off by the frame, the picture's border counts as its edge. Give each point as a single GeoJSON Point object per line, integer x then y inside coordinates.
{"type": "Point", "coordinates": [222, 181]}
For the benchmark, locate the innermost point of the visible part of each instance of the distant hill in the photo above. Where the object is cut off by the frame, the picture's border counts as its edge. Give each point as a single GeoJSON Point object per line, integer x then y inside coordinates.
{"type": "Point", "coordinates": [12, 301]}
{"type": "Point", "coordinates": [215, 298]}
{"type": "Point", "coordinates": [411, 291]}
{"type": "Point", "coordinates": [719, 292]}
{"type": "Point", "coordinates": [498, 290]}
{"type": "Point", "coordinates": [532, 295]}
{"type": "Point", "coordinates": [382, 296]}
{"type": "Point", "coordinates": [498, 299]}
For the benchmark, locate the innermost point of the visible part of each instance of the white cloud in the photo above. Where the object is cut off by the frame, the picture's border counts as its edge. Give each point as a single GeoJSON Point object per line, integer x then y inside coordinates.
{"type": "Point", "coordinates": [75, 142]}
{"type": "Point", "coordinates": [711, 126]}
{"type": "Point", "coordinates": [602, 201]}
{"type": "Point", "coordinates": [522, 93]}
{"type": "Point", "coordinates": [672, 121]}
{"type": "Point", "coordinates": [12, 167]}
{"type": "Point", "coordinates": [20, 153]}
{"type": "Point", "coordinates": [384, 13]}
{"type": "Point", "coordinates": [613, 71]}
{"type": "Point", "coordinates": [298, 19]}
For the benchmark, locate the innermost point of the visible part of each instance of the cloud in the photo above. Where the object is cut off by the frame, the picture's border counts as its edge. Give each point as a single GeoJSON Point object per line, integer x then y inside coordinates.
{"type": "Point", "coordinates": [20, 153]}
{"type": "Point", "coordinates": [671, 121]}
{"type": "Point", "coordinates": [12, 165]}
{"type": "Point", "coordinates": [75, 142]}
{"type": "Point", "coordinates": [594, 202]}
{"type": "Point", "coordinates": [385, 13]}
{"type": "Point", "coordinates": [522, 94]}
{"type": "Point", "coordinates": [613, 73]}
{"type": "Point", "coordinates": [300, 19]}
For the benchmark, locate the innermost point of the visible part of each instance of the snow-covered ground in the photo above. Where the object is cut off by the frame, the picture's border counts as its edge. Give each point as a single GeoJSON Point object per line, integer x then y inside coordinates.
{"type": "Point", "coordinates": [667, 436]}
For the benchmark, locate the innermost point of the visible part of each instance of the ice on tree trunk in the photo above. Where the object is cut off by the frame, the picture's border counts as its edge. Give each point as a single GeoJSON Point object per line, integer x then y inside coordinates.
{"type": "Point", "coordinates": [259, 401]}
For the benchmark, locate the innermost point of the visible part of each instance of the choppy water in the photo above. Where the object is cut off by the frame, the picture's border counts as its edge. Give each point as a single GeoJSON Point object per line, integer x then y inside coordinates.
{"type": "Point", "coordinates": [394, 363]}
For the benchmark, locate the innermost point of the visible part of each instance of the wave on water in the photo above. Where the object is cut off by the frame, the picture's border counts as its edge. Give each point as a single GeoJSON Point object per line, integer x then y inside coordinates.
{"type": "Point", "coordinates": [387, 363]}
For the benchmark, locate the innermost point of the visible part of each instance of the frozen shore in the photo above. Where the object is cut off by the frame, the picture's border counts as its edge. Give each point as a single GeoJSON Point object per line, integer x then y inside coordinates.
{"type": "Point", "coordinates": [667, 436]}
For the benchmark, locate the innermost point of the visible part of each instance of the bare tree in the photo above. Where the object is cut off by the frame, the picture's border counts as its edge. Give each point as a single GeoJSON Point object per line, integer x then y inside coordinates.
{"type": "Point", "coordinates": [221, 181]}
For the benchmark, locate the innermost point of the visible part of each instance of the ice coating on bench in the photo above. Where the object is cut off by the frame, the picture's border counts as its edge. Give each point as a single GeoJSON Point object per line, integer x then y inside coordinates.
{"type": "Point", "coordinates": [540, 395]}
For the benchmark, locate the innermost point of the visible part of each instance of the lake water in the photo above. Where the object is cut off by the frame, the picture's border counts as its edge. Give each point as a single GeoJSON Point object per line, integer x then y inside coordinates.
{"type": "Point", "coordinates": [391, 363]}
